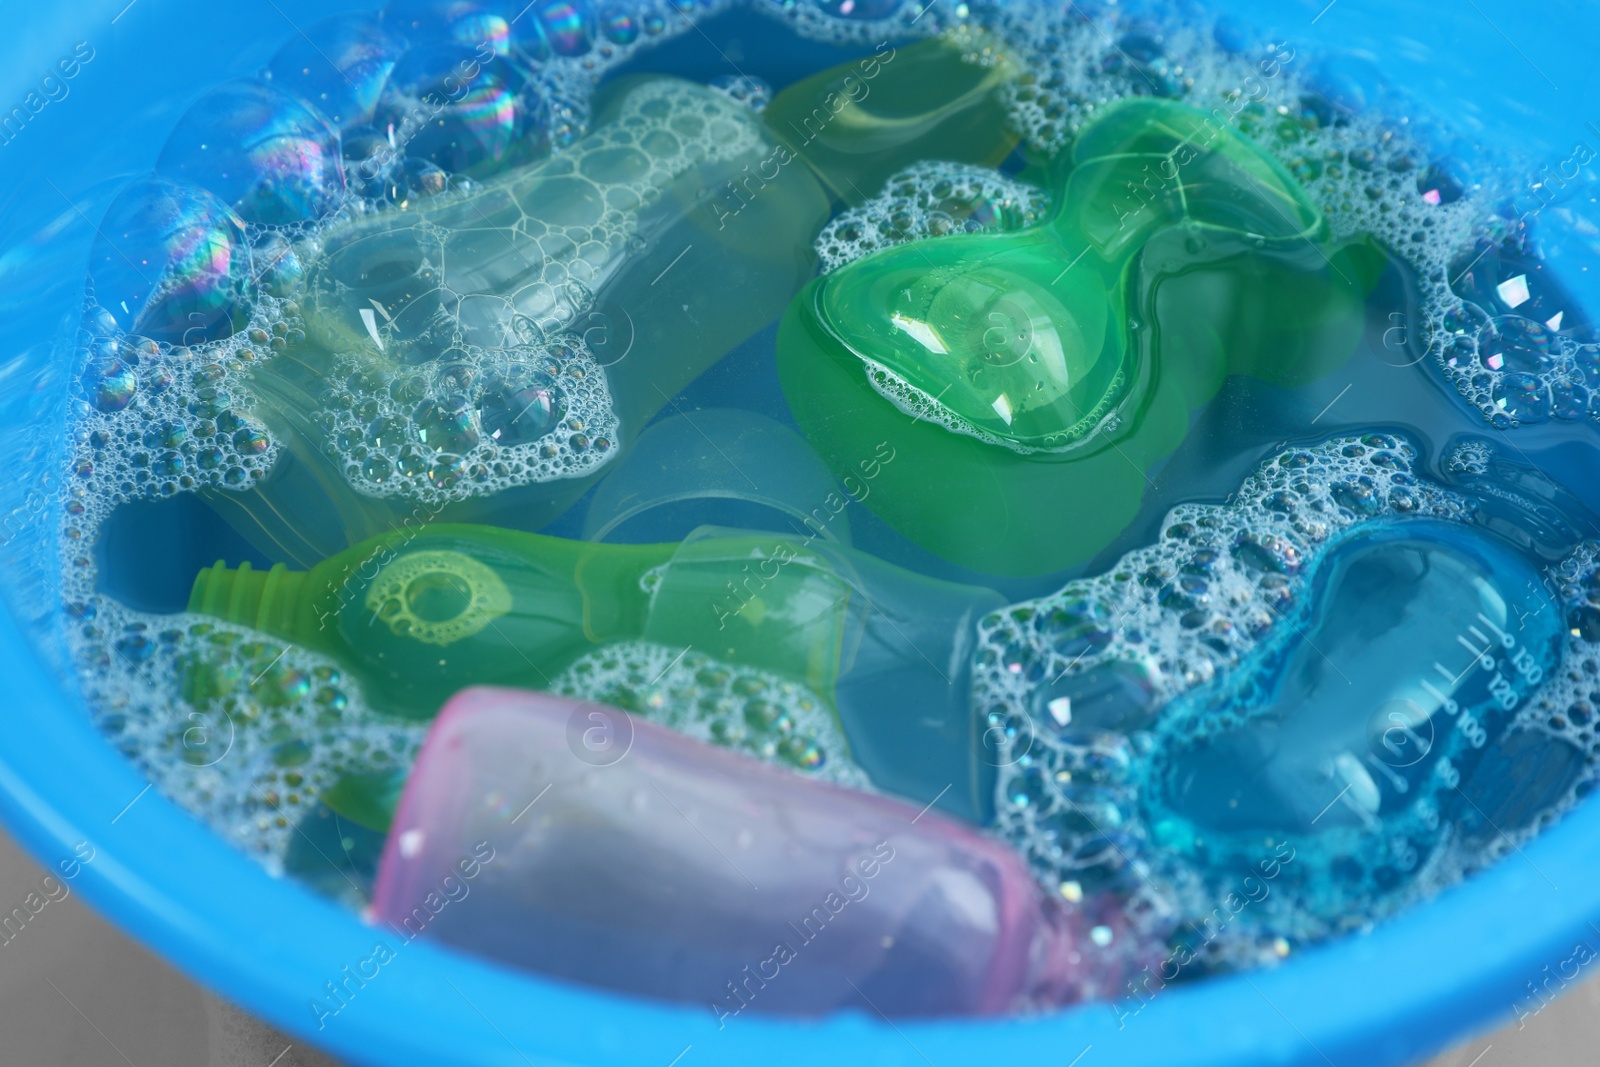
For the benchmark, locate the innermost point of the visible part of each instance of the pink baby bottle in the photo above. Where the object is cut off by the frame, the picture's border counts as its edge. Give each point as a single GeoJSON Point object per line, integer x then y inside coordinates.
{"type": "Point", "coordinates": [583, 843]}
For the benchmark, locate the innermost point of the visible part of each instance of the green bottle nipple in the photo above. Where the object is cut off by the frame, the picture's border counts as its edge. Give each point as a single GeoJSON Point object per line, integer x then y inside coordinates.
{"type": "Point", "coordinates": [1036, 376]}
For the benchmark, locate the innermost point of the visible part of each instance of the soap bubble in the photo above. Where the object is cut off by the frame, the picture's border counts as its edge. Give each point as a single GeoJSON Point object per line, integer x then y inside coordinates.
{"type": "Point", "coordinates": [516, 412]}
{"type": "Point", "coordinates": [753, 93]}
{"type": "Point", "coordinates": [620, 24]}
{"type": "Point", "coordinates": [503, 28]}
{"type": "Point", "coordinates": [568, 25]}
{"type": "Point", "coordinates": [1522, 397]}
{"type": "Point", "coordinates": [469, 117]}
{"type": "Point", "coordinates": [277, 265]}
{"type": "Point", "coordinates": [447, 424]}
{"type": "Point", "coordinates": [340, 64]}
{"type": "Point", "coordinates": [268, 154]}
{"type": "Point", "coordinates": [424, 177]}
{"type": "Point", "coordinates": [170, 262]}
{"type": "Point", "coordinates": [111, 380]}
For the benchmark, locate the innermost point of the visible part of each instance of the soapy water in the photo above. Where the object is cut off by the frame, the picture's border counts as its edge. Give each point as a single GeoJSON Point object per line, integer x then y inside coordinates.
{"type": "Point", "coordinates": [248, 732]}
{"type": "Point", "coordinates": [750, 711]}
{"type": "Point", "coordinates": [1079, 687]}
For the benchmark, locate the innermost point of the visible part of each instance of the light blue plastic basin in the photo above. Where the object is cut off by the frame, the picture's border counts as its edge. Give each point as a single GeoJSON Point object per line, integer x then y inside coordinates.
{"type": "Point", "coordinates": [1510, 72]}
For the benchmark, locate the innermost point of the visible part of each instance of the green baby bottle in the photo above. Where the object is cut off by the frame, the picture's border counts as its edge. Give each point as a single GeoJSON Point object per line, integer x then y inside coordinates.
{"type": "Point", "coordinates": [1032, 379]}
{"type": "Point", "coordinates": [416, 615]}
{"type": "Point", "coordinates": [858, 123]}
{"type": "Point", "coordinates": [488, 354]}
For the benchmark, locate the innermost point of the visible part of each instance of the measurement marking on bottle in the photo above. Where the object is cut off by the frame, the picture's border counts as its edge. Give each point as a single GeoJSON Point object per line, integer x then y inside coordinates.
{"type": "Point", "coordinates": [1505, 638]}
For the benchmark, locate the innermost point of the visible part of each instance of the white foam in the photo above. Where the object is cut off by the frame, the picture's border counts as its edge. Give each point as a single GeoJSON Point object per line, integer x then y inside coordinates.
{"type": "Point", "coordinates": [926, 200]}
{"type": "Point", "coordinates": [751, 711]}
{"type": "Point", "coordinates": [244, 730]}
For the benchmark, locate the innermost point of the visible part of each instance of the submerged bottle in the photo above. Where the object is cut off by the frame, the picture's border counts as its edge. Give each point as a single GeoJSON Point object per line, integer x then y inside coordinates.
{"type": "Point", "coordinates": [669, 868]}
{"type": "Point", "coordinates": [1373, 724]}
{"type": "Point", "coordinates": [418, 614]}
{"type": "Point", "coordinates": [858, 123]}
{"type": "Point", "coordinates": [488, 352]}
{"type": "Point", "coordinates": [1036, 376]}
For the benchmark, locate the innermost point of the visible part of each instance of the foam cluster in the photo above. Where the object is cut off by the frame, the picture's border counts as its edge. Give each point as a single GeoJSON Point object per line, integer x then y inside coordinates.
{"type": "Point", "coordinates": [1471, 456]}
{"type": "Point", "coordinates": [157, 419]}
{"type": "Point", "coordinates": [243, 730]}
{"type": "Point", "coordinates": [462, 365]}
{"type": "Point", "coordinates": [1567, 706]}
{"type": "Point", "coordinates": [931, 199]}
{"type": "Point", "coordinates": [474, 423]}
{"type": "Point", "coordinates": [519, 261]}
{"type": "Point", "coordinates": [753, 93]}
{"type": "Point", "coordinates": [748, 710]}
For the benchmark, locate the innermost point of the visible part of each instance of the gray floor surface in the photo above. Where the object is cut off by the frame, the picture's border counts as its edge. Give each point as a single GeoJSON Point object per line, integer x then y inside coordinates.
{"type": "Point", "coordinates": [77, 992]}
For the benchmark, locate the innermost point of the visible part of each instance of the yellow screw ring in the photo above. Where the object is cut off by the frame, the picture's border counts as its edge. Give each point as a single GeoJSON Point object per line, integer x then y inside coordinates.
{"type": "Point", "coordinates": [437, 596]}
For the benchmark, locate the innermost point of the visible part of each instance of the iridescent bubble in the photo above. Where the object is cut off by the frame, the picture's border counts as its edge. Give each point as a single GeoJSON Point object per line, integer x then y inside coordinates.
{"type": "Point", "coordinates": [515, 414]}
{"type": "Point", "coordinates": [269, 154]}
{"type": "Point", "coordinates": [1513, 343]}
{"type": "Point", "coordinates": [340, 64]}
{"type": "Point", "coordinates": [170, 262]}
{"type": "Point", "coordinates": [503, 27]}
{"type": "Point", "coordinates": [447, 424]}
{"type": "Point", "coordinates": [277, 265]}
{"type": "Point", "coordinates": [112, 383]}
{"type": "Point", "coordinates": [447, 470]}
{"type": "Point", "coordinates": [802, 752]}
{"type": "Point", "coordinates": [619, 24]}
{"type": "Point", "coordinates": [469, 117]}
{"type": "Point", "coordinates": [1509, 277]}
{"type": "Point", "coordinates": [167, 434]}
{"type": "Point", "coordinates": [568, 24]}
{"type": "Point", "coordinates": [251, 440]}
{"type": "Point", "coordinates": [424, 178]}
{"type": "Point", "coordinates": [1522, 397]}
{"type": "Point", "coordinates": [1569, 399]}
{"type": "Point", "coordinates": [156, 378]}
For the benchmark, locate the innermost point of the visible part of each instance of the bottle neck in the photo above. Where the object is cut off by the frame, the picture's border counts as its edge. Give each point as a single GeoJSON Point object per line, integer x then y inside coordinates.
{"type": "Point", "coordinates": [272, 601]}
